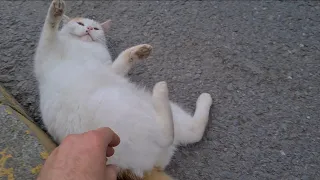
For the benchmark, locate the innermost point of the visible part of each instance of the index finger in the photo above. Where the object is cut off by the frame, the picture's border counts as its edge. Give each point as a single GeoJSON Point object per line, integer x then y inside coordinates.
{"type": "Point", "coordinates": [110, 138]}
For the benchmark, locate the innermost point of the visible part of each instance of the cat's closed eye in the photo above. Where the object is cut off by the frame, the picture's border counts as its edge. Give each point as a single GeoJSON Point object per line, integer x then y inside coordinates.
{"type": "Point", "coordinates": [80, 23]}
{"type": "Point", "coordinates": [96, 28]}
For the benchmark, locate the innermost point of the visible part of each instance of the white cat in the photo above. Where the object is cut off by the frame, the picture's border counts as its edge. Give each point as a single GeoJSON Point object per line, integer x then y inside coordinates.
{"type": "Point", "coordinates": [81, 89]}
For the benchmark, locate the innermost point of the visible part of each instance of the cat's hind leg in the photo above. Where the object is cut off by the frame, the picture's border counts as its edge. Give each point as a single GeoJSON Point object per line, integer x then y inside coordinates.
{"type": "Point", "coordinates": [161, 104]}
{"type": "Point", "coordinates": [191, 129]}
{"type": "Point", "coordinates": [127, 58]}
{"type": "Point", "coordinates": [187, 129]}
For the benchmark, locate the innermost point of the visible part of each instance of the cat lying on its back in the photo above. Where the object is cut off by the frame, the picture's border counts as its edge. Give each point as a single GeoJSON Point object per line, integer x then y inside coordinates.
{"type": "Point", "coordinates": [81, 89]}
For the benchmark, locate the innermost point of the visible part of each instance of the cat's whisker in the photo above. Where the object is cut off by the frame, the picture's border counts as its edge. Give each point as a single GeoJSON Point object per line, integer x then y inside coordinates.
{"type": "Point", "coordinates": [100, 39]}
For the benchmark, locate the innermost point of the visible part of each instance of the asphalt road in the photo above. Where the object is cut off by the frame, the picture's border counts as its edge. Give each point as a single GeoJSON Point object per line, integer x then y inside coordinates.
{"type": "Point", "coordinates": [259, 60]}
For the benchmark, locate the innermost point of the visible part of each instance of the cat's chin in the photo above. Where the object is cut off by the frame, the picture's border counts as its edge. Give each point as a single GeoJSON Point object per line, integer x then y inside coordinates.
{"type": "Point", "coordinates": [87, 38]}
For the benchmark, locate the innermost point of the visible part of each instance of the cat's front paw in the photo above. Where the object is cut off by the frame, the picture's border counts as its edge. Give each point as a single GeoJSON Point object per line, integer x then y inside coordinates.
{"type": "Point", "coordinates": [57, 8]}
{"type": "Point", "coordinates": [140, 52]}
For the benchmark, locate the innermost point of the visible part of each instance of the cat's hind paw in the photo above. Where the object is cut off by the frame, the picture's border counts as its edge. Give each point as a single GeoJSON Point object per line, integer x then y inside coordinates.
{"type": "Point", "coordinates": [161, 90]}
{"type": "Point", "coordinates": [204, 100]}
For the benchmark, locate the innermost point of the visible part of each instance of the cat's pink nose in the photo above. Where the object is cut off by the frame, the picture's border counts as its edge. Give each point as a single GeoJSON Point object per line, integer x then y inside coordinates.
{"type": "Point", "coordinates": [89, 28]}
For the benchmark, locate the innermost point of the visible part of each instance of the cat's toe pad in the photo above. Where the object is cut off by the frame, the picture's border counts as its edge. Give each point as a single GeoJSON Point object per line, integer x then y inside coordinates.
{"type": "Point", "coordinates": [58, 7]}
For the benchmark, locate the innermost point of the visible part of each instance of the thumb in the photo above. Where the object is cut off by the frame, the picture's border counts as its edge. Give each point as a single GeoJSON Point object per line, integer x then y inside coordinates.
{"type": "Point", "coordinates": [112, 172]}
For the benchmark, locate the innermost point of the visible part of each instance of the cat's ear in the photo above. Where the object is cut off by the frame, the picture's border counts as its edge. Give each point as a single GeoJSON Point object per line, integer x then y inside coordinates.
{"type": "Point", "coordinates": [65, 19]}
{"type": "Point", "coordinates": [106, 25]}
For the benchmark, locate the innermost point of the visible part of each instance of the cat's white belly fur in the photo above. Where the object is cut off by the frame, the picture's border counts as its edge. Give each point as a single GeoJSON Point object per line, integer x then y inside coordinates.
{"type": "Point", "coordinates": [75, 100]}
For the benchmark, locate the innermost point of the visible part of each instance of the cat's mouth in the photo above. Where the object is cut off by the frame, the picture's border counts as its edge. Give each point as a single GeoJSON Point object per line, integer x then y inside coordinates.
{"type": "Point", "coordinates": [86, 37]}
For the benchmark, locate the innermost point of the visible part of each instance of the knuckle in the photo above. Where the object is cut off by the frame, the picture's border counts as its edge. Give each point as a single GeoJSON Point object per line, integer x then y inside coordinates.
{"type": "Point", "coordinates": [112, 175]}
{"type": "Point", "coordinates": [93, 138]}
{"type": "Point", "coordinates": [108, 129]}
{"type": "Point", "coordinates": [69, 138]}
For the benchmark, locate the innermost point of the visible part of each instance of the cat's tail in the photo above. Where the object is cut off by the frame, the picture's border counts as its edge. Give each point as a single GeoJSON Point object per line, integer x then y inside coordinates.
{"type": "Point", "coordinates": [157, 174]}
{"type": "Point", "coordinates": [161, 104]}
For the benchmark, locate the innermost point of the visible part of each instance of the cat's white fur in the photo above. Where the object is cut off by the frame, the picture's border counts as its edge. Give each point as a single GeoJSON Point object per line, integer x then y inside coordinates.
{"type": "Point", "coordinates": [81, 89]}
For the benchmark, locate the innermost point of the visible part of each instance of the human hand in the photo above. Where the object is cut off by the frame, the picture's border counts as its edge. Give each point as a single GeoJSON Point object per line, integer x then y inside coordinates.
{"type": "Point", "coordinates": [82, 157]}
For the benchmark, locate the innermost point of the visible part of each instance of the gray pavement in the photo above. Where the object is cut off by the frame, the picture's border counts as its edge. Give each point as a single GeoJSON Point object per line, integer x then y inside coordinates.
{"type": "Point", "coordinates": [21, 153]}
{"type": "Point", "coordinates": [259, 60]}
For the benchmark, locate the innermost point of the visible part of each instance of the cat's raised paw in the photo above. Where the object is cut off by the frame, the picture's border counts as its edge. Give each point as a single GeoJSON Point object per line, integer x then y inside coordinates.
{"type": "Point", "coordinates": [140, 52]}
{"type": "Point", "coordinates": [58, 7]}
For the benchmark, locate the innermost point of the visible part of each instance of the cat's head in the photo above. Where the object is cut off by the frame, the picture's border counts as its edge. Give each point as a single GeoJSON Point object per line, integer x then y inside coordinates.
{"type": "Point", "coordinates": [86, 29]}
